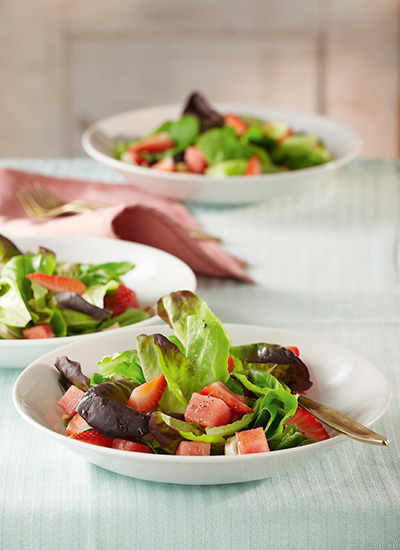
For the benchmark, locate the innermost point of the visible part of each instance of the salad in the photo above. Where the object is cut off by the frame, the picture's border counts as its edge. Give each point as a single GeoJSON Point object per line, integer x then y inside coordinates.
{"type": "Point", "coordinates": [41, 297]}
{"type": "Point", "coordinates": [204, 141]}
{"type": "Point", "coordinates": [192, 393]}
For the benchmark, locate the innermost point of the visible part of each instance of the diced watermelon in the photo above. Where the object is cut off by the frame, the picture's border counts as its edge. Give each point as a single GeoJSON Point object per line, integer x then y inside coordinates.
{"type": "Point", "coordinates": [76, 425]}
{"type": "Point", "coordinates": [38, 332]}
{"type": "Point", "coordinates": [234, 401]}
{"type": "Point", "coordinates": [235, 122]}
{"type": "Point", "coordinates": [195, 159]}
{"type": "Point", "coordinates": [57, 283]}
{"type": "Point", "coordinates": [207, 411]}
{"type": "Point", "coordinates": [156, 143]}
{"type": "Point", "coordinates": [94, 437]}
{"type": "Point", "coordinates": [69, 401]}
{"type": "Point", "coordinates": [194, 448]}
{"type": "Point", "coordinates": [145, 397]}
{"type": "Point", "coordinates": [252, 441]}
{"type": "Point", "coordinates": [120, 300]}
{"type": "Point", "coordinates": [125, 445]}
{"type": "Point", "coordinates": [309, 426]}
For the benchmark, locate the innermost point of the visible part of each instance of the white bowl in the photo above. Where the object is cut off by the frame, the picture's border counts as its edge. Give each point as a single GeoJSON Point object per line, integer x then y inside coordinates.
{"type": "Point", "coordinates": [156, 274]}
{"type": "Point", "coordinates": [344, 144]}
{"type": "Point", "coordinates": [342, 379]}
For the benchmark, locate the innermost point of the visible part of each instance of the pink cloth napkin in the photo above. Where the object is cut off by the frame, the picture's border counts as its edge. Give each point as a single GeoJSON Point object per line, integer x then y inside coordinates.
{"type": "Point", "coordinates": [130, 215]}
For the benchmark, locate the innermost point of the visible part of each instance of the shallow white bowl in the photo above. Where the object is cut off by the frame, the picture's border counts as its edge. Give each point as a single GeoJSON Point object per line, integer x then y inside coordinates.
{"type": "Point", "coordinates": [342, 379]}
{"type": "Point", "coordinates": [341, 141]}
{"type": "Point", "coordinates": [156, 274]}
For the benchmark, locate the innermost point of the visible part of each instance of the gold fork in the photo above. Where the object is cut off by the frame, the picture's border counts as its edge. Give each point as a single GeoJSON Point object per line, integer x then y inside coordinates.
{"type": "Point", "coordinates": [39, 203]}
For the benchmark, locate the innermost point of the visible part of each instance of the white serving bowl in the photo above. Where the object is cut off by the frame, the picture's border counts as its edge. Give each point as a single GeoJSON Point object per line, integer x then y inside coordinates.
{"type": "Point", "coordinates": [156, 274]}
{"type": "Point", "coordinates": [344, 144]}
{"type": "Point", "coordinates": [342, 379]}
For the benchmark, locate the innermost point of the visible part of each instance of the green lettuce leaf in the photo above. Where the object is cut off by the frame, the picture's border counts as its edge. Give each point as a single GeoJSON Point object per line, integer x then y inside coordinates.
{"type": "Point", "coordinates": [125, 364]}
{"type": "Point", "coordinates": [183, 132]}
{"type": "Point", "coordinates": [13, 309]}
{"type": "Point", "coordinates": [102, 273]}
{"type": "Point", "coordinates": [7, 249]}
{"type": "Point", "coordinates": [289, 438]}
{"type": "Point", "coordinates": [220, 145]}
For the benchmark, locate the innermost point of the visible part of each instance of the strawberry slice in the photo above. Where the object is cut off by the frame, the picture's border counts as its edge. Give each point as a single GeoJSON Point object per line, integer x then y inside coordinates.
{"type": "Point", "coordinates": [154, 144]}
{"type": "Point", "coordinates": [145, 397]}
{"type": "Point", "coordinates": [166, 164]}
{"type": "Point", "coordinates": [236, 123]}
{"type": "Point", "coordinates": [56, 283]}
{"type": "Point", "coordinates": [254, 167]}
{"type": "Point", "coordinates": [294, 349]}
{"type": "Point", "coordinates": [94, 437]}
{"type": "Point", "coordinates": [38, 332]}
{"type": "Point", "coordinates": [120, 300]}
{"type": "Point", "coordinates": [195, 159]}
{"type": "Point", "coordinates": [133, 157]}
{"type": "Point", "coordinates": [309, 426]}
{"type": "Point", "coordinates": [234, 401]}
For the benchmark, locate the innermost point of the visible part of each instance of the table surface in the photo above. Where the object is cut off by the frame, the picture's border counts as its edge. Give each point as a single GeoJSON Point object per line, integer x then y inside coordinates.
{"type": "Point", "coordinates": [326, 262]}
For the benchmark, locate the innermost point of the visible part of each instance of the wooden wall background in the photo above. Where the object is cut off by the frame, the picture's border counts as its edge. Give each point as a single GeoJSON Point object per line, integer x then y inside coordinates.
{"type": "Point", "coordinates": [67, 63]}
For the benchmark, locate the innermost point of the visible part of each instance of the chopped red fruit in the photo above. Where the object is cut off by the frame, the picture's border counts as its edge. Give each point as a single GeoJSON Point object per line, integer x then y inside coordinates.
{"type": "Point", "coordinates": [120, 300]}
{"type": "Point", "coordinates": [156, 143]}
{"type": "Point", "coordinates": [125, 445]}
{"type": "Point", "coordinates": [234, 401]}
{"type": "Point", "coordinates": [252, 441]}
{"type": "Point", "coordinates": [37, 332]}
{"type": "Point", "coordinates": [231, 364]}
{"type": "Point", "coordinates": [69, 401]}
{"type": "Point", "coordinates": [94, 437]}
{"type": "Point", "coordinates": [309, 426]}
{"type": "Point", "coordinates": [166, 164]}
{"type": "Point", "coordinates": [76, 425]}
{"type": "Point", "coordinates": [294, 349]}
{"type": "Point", "coordinates": [254, 167]}
{"type": "Point", "coordinates": [195, 159]}
{"type": "Point", "coordinates": [194, 448]}
{"type": "Point", "coordinates": [130, 155]}
{"type": "Point", "coordinates": [57, 283]}
{"type": "Point", "coordinates": [237, 123]}
{"type": "Point", "coordinates": [145, 397]}
{"type": "Point", "coordinates": [207, 411]}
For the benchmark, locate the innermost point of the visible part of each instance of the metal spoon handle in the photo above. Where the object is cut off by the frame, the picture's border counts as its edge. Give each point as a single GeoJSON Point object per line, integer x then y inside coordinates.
{"type": "Point", "coordinates": [340, 422]}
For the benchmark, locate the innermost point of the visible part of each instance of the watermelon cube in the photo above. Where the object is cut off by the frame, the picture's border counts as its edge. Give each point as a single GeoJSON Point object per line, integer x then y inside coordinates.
{"type": "Point", "coordinates": [76, 425]}
{"type": "Point", "coordinates": [207, 411]}
{"type": "Point", "coordinates": [252, 441]}
{"type": "Point", "coordinates": [69, 401]}
{"type": "Point", "coordinates": [125, 445]}
{"type": "Point", "coordinates": [193, 448]}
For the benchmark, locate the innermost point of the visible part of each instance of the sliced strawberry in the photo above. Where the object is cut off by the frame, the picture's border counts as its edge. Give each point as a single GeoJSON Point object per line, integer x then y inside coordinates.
{"type": "Point", "coordinates": [154, 144]}
{"type": "Point", "coordinates": [234, 401]}
{"type": "Point", "coordinates": [76, 425]}
{"type": "Point", "coordinates": [252, 441]}
{"type": "Point", "coordinates": [231, 364]}
{"type": "Point", "coordinates": [56, 283]}
{"type": "Point", "coordinates": [237, 123]}
{"type": "Point", "coordinates": [134, 157]}
{"type": "Point", "coordinates": [294, 349]}
{"type": "Point", "coordinates": [125, 445]}
{"type": "Point", "coordinates": [195, 159]}
{"type": "Point", "coordinates": [94, 437]}
{"type": "Point", "coordinates": [254, 167]}
{"type": "Point", "coordinates": [166, 164]}
{"type": "Point", "coordinates": [120, 300]}
{"type": "Point", "coordinates": [37, 332]}
{"type": "Point", "coordinates": [69, 401]}
{"type": "Point", "coordinates": [309, 426]}
{"type": "Point", "coordinates": [145, 397]}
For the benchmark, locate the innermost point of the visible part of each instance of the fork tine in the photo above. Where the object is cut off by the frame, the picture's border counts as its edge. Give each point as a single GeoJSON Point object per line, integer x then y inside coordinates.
{"type": "Point", "coordinates": [43, 197]}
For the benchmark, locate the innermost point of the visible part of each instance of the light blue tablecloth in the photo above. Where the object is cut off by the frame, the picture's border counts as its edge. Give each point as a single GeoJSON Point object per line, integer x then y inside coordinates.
{"type": "Point", "coordinates": [325, 262]}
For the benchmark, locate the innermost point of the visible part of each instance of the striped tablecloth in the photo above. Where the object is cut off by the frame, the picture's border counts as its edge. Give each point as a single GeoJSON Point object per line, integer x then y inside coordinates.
{"type": "Point", "coordinates": [325, 262]}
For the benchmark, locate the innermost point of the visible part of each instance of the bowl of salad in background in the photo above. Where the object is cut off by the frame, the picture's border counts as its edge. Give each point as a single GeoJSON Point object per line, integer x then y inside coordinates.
{"type": "Point", "coordinates": [56, 289]}
{"type": "Point", "coordinates": [198, 402]}
{"type": "Point", "coordinates": [222, 153]}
